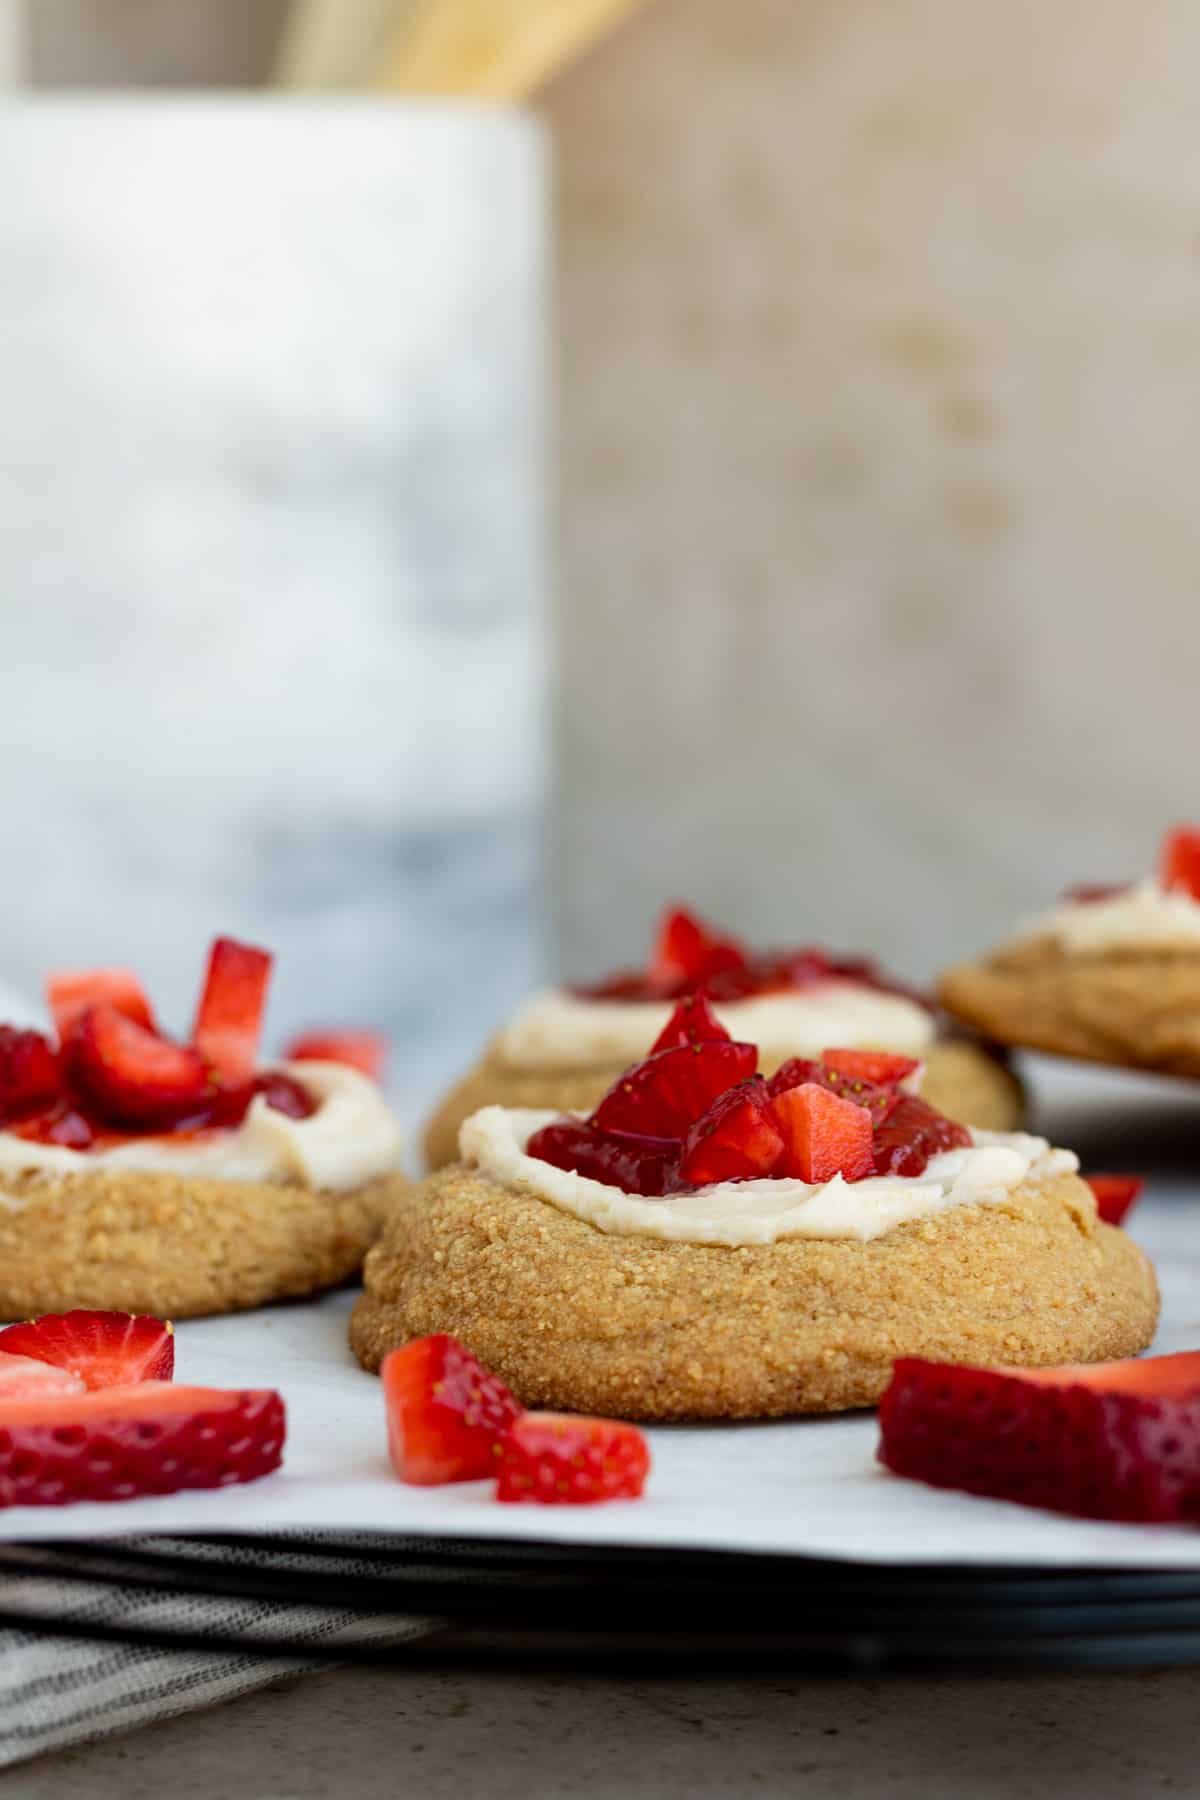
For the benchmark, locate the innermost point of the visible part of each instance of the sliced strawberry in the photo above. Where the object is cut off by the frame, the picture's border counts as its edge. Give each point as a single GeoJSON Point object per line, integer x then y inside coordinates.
{"type": "Point", "coordinates": [446, 1413]}
{"type": "Point", "coordinates": [665, 1095]}
{"type": "Point", "coordinates": [1180, 865]}
{"type": "Point", "coordinates": [639, 1165]}
{"type": "Point", "coordinates": [686, 953]}
{"type": "Point", "coordinates": [823, 1135]}
{"type": "Point", "coordinates": [738, 1138]}
{"type": "Point", "coordinates": [1119, 1441]}
{"type": "Point", "coordinates": [122, 1442]}
{"type": "Point", "coordinates": [875, 1066]}
{"type": "Point", "coordinates": [363, 1050]}
{"type": "Point", "coordinates": [560, 1460]}
{"type": "Point", "coordinates": [24, 1378]}
{"type": "Point", "coordinates": [1115, 1195]}
{"type": "Point", "coordinates": [130, 1076]}
{"type": "Point", "coordinates": [71, 993]}
{"type": "Point", "coordinates": [880, 1102]}
{"type": "Point", "coordinates": [692, 1022]}
{"type": "Point", "coordinates": [912, 1134]}
{"type": "Point", "coordinates": [229, 1020]}
{"type": "Point", "coordinates": [104, 1349]}
{"type": "Point", "coordinates": [29, 1077]}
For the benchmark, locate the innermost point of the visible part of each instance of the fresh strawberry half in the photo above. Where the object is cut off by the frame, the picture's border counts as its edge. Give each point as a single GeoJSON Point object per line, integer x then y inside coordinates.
{"type": "Point", "coordinates": [874, 1066]}
{"type": "Point", "coordinates": [366, 1051]}
{"type": "Point", "coordinates": [912, 1134]}
{"type": "Point", "coordinates": [559, 1460]}
{"type": "Point", "coordinates": [29, 1077]}
{"type": "Point", "coordinates": [446, 1413]}
{"type": "Point", "coordinates": [151, 1439]}
{"type": "Point", "coordinates": [665, 1095]}
{"type": "Point", "coordinates": [1180, 865]}
{"type": "Point", "coordinates": [131, 1076]}
{"type": "Point", "coordinates": [72, 993]}
{"type": "Point", "coordinates": [823, 1135]}
{"type": "Point", "coordinates": [1118, 1441]}
{"type": "Point", "coordinates": [1115, 1195]}
{"type": "Point", "coordinates": [737, 1139]}
{"type": "Point", "coordinates": [879, 1101]}
{"type": "Point", "coordinates": [229, 1020]}
{"type": "Point", "coordinates": [692, 1022]}
{"type": "Point", "coordinates": [103, 1349]}
{"type": "Point", "coordinates": [638, 1165]}
{"type": "Point", "coordinates": [24, 1378]}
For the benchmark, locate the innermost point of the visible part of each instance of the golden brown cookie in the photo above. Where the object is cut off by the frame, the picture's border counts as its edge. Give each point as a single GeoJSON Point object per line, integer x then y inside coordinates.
{"type": "Point", "coordinates": [962, 1078]}
{"type": "Point", "coordinates": [577, 1319]}
{"type": "Point", "coordinates": [1134, 1008]}
{"type": "Point", "coordinates": [178, 1246]}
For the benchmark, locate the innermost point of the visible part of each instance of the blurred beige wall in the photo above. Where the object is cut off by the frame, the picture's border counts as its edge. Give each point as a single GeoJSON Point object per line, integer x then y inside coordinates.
{"type": "Point", "coordinates": [880, 608]}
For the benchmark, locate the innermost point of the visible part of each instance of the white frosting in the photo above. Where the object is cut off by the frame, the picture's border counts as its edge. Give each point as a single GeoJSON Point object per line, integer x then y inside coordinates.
{"type": "Point", "coordinates": [351, 1138]}
{"type": "Point", "coordinates": [1145, 917]}
{"type": "Point", "coordinates": [558, 1029]}
{"type": "Point", "coordinates": [761, 1212]}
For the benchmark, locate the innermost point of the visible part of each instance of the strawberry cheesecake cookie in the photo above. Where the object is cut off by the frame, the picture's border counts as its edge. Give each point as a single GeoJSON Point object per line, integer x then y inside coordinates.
{"type": "Point", "coordinates": [710, 1243]}
{"type": "Point", "coordinates": [1111, 974]}
{"type": "Point", "coordinates": [566, 1047]}
{"type": "Point", "coordinates": [180, 1178]}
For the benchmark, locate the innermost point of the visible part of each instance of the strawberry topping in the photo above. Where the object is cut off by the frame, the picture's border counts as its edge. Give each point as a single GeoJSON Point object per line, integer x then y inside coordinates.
{"type": "Point", "coordinates": [667, 1093]}
{"type": "Point", "coordinates": [366, 1051]}
{"type": "Point", "coordinates": [1117, 1441]}
{"type": "Point", "coordinates": [692, 1022]}
{"type": "Point", "coordinates": [1180, 865]}
{"type": "Point", "coordinates": [823, 1135]}
{"type": "Point", "coordinates": [875, 1066]}
{"type": "Point", "coordinates": [70, 995]}
{"type": "Point", "coordinates": [554, 1459]}
{"type": "Point", "coordinates": [912, 1134]}
{"type": "Point", "coordinates": [101, 1349]}
{"type": "Point", "coordinates": [229, 1019]}
{"type": "Point", "coordinates": [880, 1100]}
{"type": "Point", "coordinates": [29, 1078]}
{"type": "Point", "coordinates": [446, 1413]}
{"type": "Point", "coordinates": [1115, 1195]}
{"type": "Point", "coordinates": [639, 1165]}
{"type": "Point", "coordinates": [737, 1138]}
{"type": "Point", "coordinates": [131, 1076]}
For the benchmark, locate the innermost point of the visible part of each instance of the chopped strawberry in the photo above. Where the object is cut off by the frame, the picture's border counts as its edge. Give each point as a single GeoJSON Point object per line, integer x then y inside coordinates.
{"type": "Point", "coordinates": [823, 1135]}
{"type": "Point", "coordinates": [24, 1378]}
{"type": "Point", "coordinates": [692, 1022]}
{"type": "Point", "coordinates": [366, 1051]}
{"type": "Point", "coordinates": [122, 1442]}
{"type": "Point", "coordinates": [130, 1076]}
{"type": "Point", "coordinates": [665, 1095]}
{"type": "Point", "coordinates": [1115, 1195]}
{"type": "Point", "coordinates": [29, 1077]}
{"type": "Point", "coordinates": [880, 1102]}
{"type": "Point", "coordinates": [1180, 866]}
{"type": "Point", "coordinates": [912, 1134]}
{"type": "Point", "coordinates": [736, 1140]}
{"type": "Point", "coordinates": [560, 1460]}
{"type": "Point", "coordinates": [446, 1413]}
{"type": "Point", "coordinates": [875, 1066]}
{"type": "Point", "coordinates": [687, 953]}
{"type": "Point", "coordinates": [103, 1349]}
{"type": "Point", "coordinates": [1118, 1441]}
{"type": "Point", "coordinates": [70, 994]}
{"type": "Point", "coordinates": [639, 1165]}
{"type": "Point", "coordinates": [229, 1020]}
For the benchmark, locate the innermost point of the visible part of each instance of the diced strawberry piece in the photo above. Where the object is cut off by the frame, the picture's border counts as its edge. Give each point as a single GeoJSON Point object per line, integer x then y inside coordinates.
{"type": "Point", "coordinates": [912, 1134]}
{"type": "Point", "coordinates": [876, 1066]}
{"type": "Point", "coordinates": [665, 1095]}
{"type": "Point", "coordinates": [103, 1349]}
{"type": "Point", "coordinates": [366, 1051]}
{"type": "Point", "coordinates": [71, 993]}
{"type": "Point", "coordinates": [880, 1102]}
{"type": "Point", "coordinates": [446, 1413]}
{"type": "Point", "coordinates": [736, 1140]}
{"type": "Point", "coordinates": [687, 953]}
{"type": "Point", "coordinates": [692, 1022]}
{"type": "Point", "coordinates": [1180, 866]}
{"type": "Point", "coordinates": [557, 1459]}
{"type": "Point", "coordinates": [1115, 1195]}
{"type": "Point", "coordinates": [130, 1076]}
{"type": "Point", "coordinates": [229, 1020]}
{"type": "Point", "coordinates": [638, 1165]}
{"type": "Point", "coordinates": [1118, 1441]}
{"type": "Point", "coordinates": [29, 1077]}
{"type": "Point", "coordinates": [151, 1439]}
{"type": "Point", "coordinates": [823, 1135]}
{"type": "Point", "coordinates": [24, 1378]}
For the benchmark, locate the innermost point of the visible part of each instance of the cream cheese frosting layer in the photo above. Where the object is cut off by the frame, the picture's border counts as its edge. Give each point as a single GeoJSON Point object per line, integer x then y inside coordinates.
{"type": "Point", "coordinates": [1147, 916]}
{"type": "Point", "coordinates": [763, 1212]}
{"type": "Point", "coordinates": [351, 1138]}
{"type": "Point", "coordinates": [561, 1030]}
